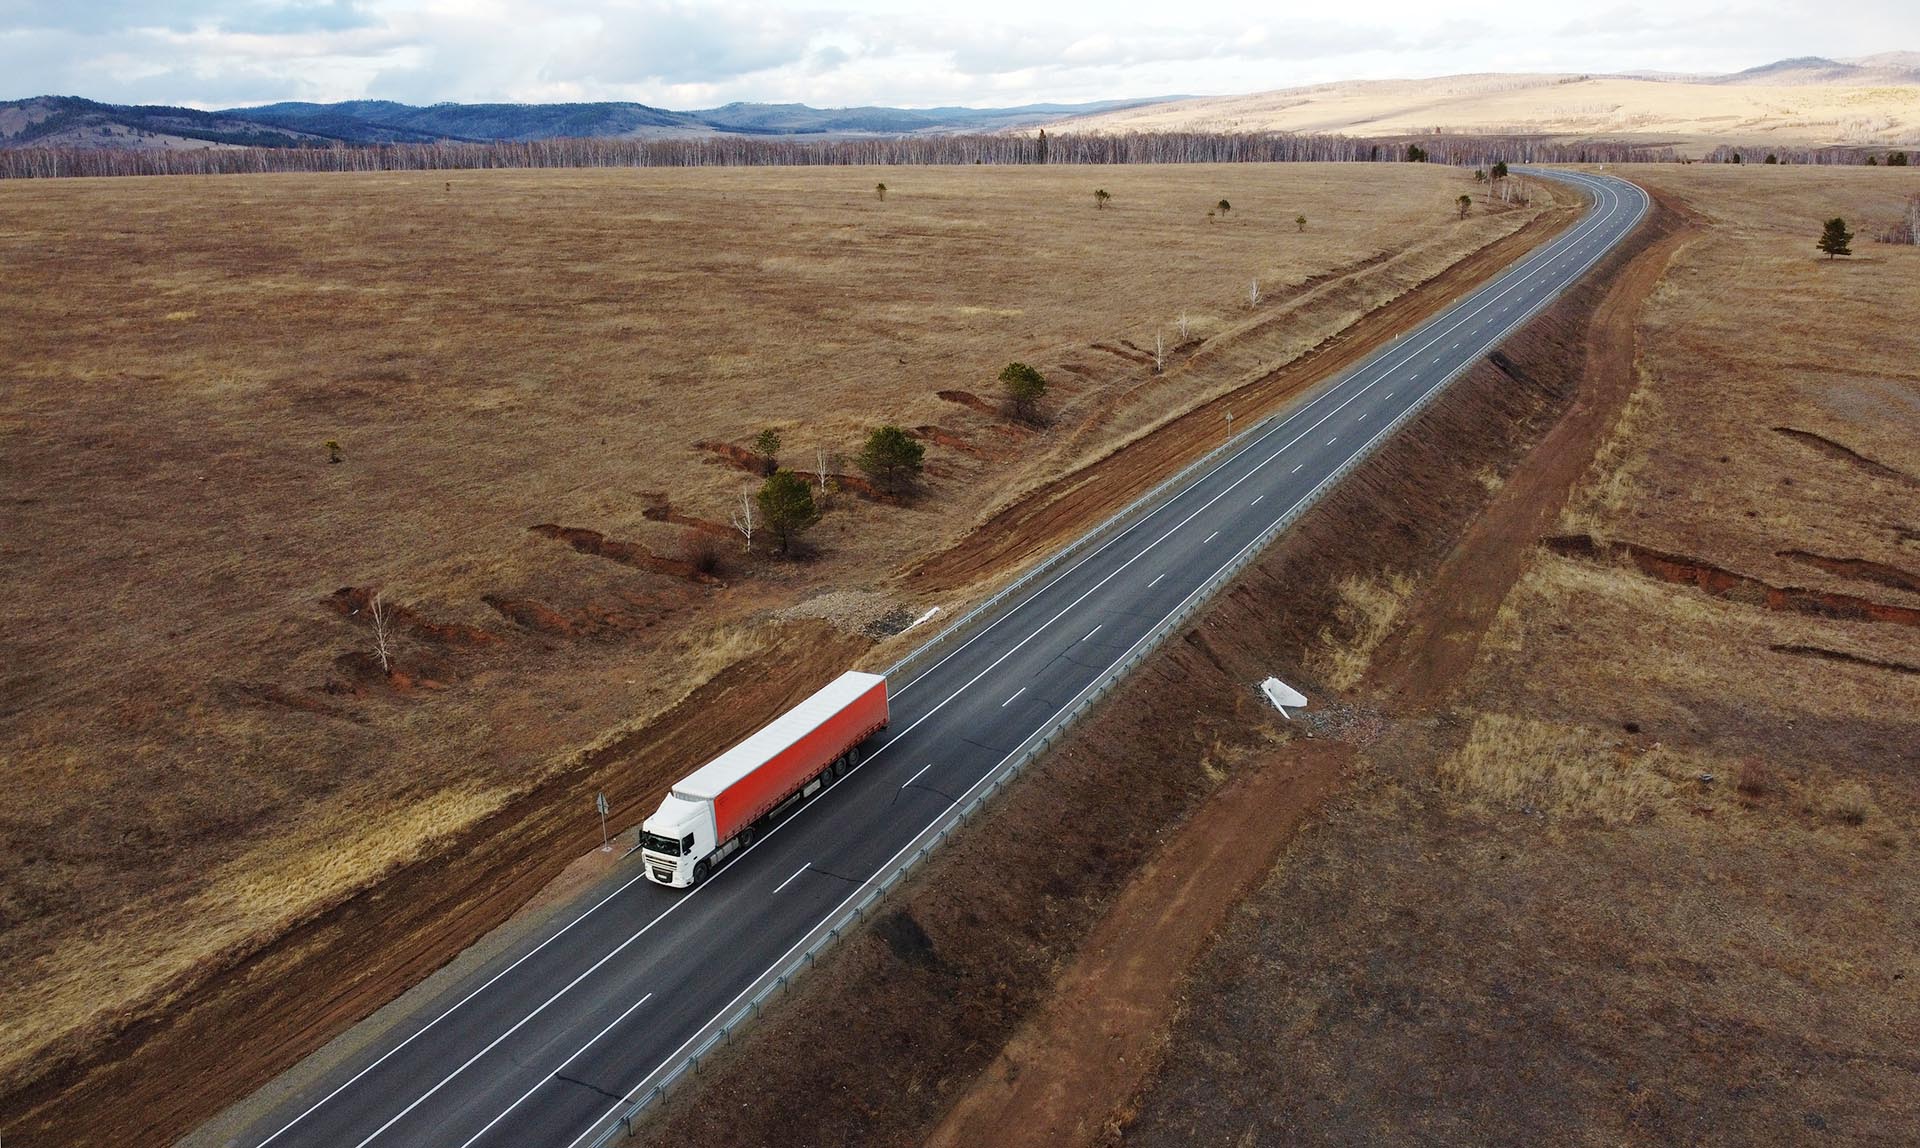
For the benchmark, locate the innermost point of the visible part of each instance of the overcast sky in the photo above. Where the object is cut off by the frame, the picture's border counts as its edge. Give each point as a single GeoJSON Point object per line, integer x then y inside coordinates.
{"type": "Point", "coordinates": [832, 53]}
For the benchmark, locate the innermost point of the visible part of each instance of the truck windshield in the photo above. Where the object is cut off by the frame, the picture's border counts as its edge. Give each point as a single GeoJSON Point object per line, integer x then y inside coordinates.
{"type": "Point", "coordinates": [660, 844]}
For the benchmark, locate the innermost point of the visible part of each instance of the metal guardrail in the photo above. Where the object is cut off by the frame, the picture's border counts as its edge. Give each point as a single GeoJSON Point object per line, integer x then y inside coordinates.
{"type": "Point", "coordinates": [855, 909]}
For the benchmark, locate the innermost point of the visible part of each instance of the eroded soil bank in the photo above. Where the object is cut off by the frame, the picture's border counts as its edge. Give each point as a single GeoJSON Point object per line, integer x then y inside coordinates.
{"type": "Point", "coordinates": [982, 987]}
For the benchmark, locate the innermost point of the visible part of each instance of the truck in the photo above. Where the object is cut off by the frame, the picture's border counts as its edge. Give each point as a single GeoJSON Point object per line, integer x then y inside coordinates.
{"type": "Point", "coordinates": [726, 804]}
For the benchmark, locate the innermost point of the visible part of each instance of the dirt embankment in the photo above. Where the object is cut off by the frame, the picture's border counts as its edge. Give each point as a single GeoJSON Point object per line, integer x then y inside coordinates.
{"type": "Point", "coordinates": [987, 983]}
{"type": "Point", "coordinates": [1061, 509]}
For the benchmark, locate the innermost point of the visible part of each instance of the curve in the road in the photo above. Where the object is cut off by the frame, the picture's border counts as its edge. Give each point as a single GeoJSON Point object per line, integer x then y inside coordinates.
{"type": "Point", "coordinates": [549, 1041]}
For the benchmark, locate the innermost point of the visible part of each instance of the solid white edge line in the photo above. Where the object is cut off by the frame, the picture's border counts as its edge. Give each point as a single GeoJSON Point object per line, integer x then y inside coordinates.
{"type": "Point", "coordinates": [548, 1078]}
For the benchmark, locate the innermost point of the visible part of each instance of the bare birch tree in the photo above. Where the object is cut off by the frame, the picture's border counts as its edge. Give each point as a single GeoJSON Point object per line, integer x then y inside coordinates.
{"type": "Point", "coordinates": [1184, 331]}
{"type": "Point", "coordinates": [1253, 293]}
{"type": "Point", "coordinates": [1159, 354]}
{"type": "Point", "coordinates": [820, 465]}
{"type": "Point", "coordinates": [382, 631]}
{"type": "Point", "coordinates": [743, 520]}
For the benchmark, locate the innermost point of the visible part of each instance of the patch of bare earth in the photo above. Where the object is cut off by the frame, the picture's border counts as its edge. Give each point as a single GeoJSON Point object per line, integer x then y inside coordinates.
{"type": "Point", "coordinates": [1638, 869]}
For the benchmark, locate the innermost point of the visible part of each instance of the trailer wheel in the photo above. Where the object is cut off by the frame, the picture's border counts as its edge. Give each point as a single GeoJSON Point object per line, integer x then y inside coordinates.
{"type": "Point", "coordinates": [700, 870]}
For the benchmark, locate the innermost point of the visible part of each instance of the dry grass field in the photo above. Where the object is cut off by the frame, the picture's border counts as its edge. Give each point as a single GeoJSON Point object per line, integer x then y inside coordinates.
{"type": "Point", "coordinates": [1647, 875]}
{"type": "Point", "coordinates": [1694, 117]}
{"type": "Point", "coordinates": [199, 743]}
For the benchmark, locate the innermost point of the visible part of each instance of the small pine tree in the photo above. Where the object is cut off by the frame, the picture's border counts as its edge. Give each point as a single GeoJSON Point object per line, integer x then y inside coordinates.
{"type": "Point", "coordinates": [1024, 388]}
{"type": "Point", "coordinates": [892, 456]}
{"type": "Point", "coordinates": [1872, 162]}
{"type": "Point", "coordinates": [787, 508]}
{"type": "Point", "coordinates": [1834, 238]}
{"type": "Point", "coordinates": [1772, 158]}
{"type": "Point", "coordinates": [1040, 152]}
{"type": "Point", "coordinates": [1416, 154]}
{"type": "Point", "coordinates": [333, 451]}
{"type": "Point", "coordinates": [1500, 169]}
{"type": "Point", "coordinates": [880, 191]}
{"type": "Point", "coordinates": [766, 444]}
{"type": "Point", "coordinates": [1736, 157]}
{"type": "Point", "coordinates": [1100, 197]}
{"type": "Point", "coordinates": [1223, 206]}
{"type": "Point", "coordinates": [1464, 204]}
{"type": "Point", "coordinates": [1897, 159]}
{"type": "Point", "coordinates": [1299, 223]}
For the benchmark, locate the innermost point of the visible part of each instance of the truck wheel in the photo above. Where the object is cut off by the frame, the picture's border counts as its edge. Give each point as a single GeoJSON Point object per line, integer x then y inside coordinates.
{"type": "Point", "coordinates": [700, 870]}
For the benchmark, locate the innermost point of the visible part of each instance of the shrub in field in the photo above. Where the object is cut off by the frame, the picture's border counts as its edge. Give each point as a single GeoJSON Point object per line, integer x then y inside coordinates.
{"type": "Point", "coordinates": [1834, 238]}
{"type": "Point", "coordinates": [786, 508]}
{"type": "Point", "coordinates": [1024, 387]}
{"type": "Point", "coordinates": [892, 457]}
{"type": "Point", "coordinates": [766, 444]}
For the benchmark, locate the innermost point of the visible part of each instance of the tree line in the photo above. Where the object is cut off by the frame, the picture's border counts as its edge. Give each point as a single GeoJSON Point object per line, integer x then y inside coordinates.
{"type": "Point", "coordinates": [743, 151]}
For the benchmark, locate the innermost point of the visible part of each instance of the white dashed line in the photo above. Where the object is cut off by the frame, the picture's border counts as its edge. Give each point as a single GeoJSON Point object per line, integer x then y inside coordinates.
{"type": "Point", "coordinates": [808, 865]}
{"type": "Point", "coordinates": [1016, 693]}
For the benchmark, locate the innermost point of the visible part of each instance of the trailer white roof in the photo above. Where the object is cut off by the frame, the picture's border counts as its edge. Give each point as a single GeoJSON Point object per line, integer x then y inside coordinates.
{"type": "Point", "coordinates": [715, 777]}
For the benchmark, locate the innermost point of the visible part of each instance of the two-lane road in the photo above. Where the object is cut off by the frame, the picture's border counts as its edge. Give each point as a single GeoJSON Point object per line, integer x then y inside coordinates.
{"type": "Point", "coordinates": [546, 1043]}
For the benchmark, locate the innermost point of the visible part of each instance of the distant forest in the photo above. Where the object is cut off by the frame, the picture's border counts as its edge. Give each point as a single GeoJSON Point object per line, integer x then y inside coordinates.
{"type": "Point", "coordinates": [729, 151]}
{"type": "Point", "coordinates": [736, 151]}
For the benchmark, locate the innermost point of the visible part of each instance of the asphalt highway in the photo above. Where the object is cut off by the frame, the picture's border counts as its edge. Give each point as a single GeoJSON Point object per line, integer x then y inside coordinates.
{"type": "Point", "coordinates": [543, 1045]}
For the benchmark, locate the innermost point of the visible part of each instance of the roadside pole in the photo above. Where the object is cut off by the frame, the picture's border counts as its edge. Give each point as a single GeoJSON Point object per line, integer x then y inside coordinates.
{"type": "Point", "coordinates": [600, 803]}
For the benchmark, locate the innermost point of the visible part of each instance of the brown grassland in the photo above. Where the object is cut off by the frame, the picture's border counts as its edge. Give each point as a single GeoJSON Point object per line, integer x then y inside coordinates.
{"type": "Point", "coordinates": [197, 743]}
{"type": "Point", "coordinates": [1646, 876]}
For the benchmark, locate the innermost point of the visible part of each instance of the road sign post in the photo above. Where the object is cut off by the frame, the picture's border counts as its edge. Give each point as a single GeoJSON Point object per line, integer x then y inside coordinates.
{"type": "Point", "coordinates": [600, 803]}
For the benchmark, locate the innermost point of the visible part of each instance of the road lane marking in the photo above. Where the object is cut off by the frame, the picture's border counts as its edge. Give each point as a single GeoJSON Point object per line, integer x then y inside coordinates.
{"type": "Point", "coordinates": [1016, 693]}
{"type": "Point", "coordinates": [1334, 439]}
{"type": "Point", "coordinates": [562, 1068]}
{"type": "Point", "coordinates": [1092, 632]}
{"type": "Point", "coordinates": [809, 865]}
{"type": "Point", "coordinates": [908, 781]}
{"type": "Point", "coordinates": [1296, 470]}
{"type": "Point", "coordinates": [1210, 537]}
{"type": "Point", "coordinates": [1256, 500]}
{"type": "Point", "coordinates": [1155, 582]}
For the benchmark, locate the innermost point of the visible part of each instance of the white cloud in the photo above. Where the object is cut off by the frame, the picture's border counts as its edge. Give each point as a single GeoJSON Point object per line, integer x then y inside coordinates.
{"type": "Point", "coordinates": [683, 53]}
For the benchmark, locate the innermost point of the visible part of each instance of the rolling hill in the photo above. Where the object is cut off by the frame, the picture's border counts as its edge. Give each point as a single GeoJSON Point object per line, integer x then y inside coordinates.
{"type": "Point", "coordinates": [69, 121]}
{"type": "Point", "coordinates": [1808, 101]}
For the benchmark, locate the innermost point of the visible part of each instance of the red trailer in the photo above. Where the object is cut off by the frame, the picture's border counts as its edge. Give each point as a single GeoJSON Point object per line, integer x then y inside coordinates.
{"type": "Point", "coordinates": [719, 807]}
